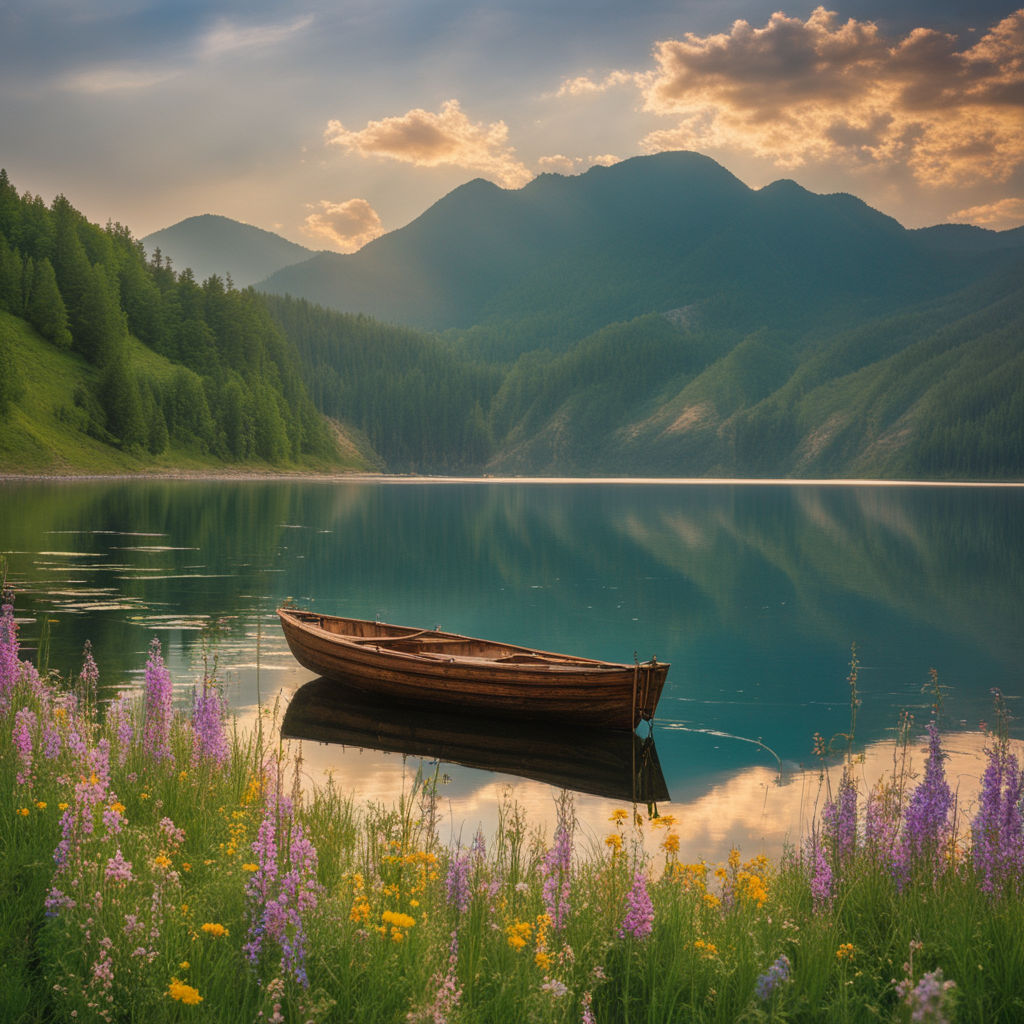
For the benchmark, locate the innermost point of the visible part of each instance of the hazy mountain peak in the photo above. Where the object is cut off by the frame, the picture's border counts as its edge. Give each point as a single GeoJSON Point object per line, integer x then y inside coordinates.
{"type": "Point", "coordinates": [211, 244]}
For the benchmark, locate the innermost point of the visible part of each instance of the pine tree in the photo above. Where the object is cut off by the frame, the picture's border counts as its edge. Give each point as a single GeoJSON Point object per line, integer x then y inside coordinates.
{"type": "Point", "coordinates": [44, 307]}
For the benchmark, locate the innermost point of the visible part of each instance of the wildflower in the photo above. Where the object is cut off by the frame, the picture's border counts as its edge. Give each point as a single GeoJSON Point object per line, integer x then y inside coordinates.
{"type": "Point", "coordinates": [519, 934]}
{"type": "Point", "coordinates": [775, 976]}
{"type": "Point", "coordinates": [10, 666]}
{"type": "Point", "coordinates": [184, 993]}
{"type": "Point", "coordinates": [639, 919]}
{"type": "Point", "coordinates": [556, 871]}
{"type": "Point", "coordinates": [23, 811]}
{"type": "Point", "coordinates": [158, 692]}
{"type": "Point", "coordinates": [997, 838]}
{"type": "Point", "coordinates": [216, 930]}
{"type": "Point", "coordinates": [839, 821]}
{"type": "Point", "coordinates": [671, 843]}
{"type": "Point", "coordinates": [821, 875]}
{"type": "Point", "coordinates": [397, 919]}
{"type": "Point", "coordinates": [90, 674]}
{"type": "Point", "coordinates": [119, 869]}
{"type": "Point", "coordinates": [249, 866]}
{"type": "Point", "coordinates": [161, 860]}
{"type": "Point", "coordinates": [457, 882]}
{"type": "Point", "coordinates": [448, 994]}
{"type": "Point", "coordinates": [24, 725]}
{"type": "Point", "coordinates": [587, 1017]}
{"type": "Point", "coordinates": [184, 965]}
{"type": "Point", "coordinates": [555, 987]}
{"type": "Point", "coordinates": [707, 950]}
{"type": "Point", "coordinates": [926, 822]}
{"type": "Point", "coordinates": [119, 720]}
{"type": "Point", "coordinates": [40, 805]}
{"type": "Point", "coordinates": [615, 842]}
{"type": "Point", "coordinates": [209, 743]}
{"type": "Point", "coordinates": [845, 951]}
{"type": "Point", "coordinates": [618, 815]}
{"type": "Point", "coordinates": [930, 1000]}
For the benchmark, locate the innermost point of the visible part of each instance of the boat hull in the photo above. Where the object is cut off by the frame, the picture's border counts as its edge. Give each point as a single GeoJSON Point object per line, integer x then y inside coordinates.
{"type": "Point", "coordinates": [474, 675]}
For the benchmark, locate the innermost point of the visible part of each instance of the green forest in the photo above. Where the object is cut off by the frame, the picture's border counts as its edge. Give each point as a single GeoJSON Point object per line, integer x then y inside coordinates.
{"type": "Point", "coordinates": [162, 362]}
{"type": "Point", "coordinates": [117, 361]}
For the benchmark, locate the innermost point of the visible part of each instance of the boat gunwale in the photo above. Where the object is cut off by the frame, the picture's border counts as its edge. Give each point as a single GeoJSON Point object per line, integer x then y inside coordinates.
{"type": "Point", "coordinates": [562, 663]}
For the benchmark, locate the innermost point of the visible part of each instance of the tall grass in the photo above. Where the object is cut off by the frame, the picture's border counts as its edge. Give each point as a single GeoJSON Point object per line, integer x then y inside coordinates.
{"type": "Point", "coordinates": [168, 866]}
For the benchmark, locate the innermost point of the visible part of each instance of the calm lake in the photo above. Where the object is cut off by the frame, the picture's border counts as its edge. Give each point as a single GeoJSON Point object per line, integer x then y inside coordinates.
{"type": "Point", "coordinates": [753, 592]}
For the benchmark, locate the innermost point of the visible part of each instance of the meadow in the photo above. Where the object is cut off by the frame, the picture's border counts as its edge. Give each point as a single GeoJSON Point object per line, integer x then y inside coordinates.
{"type": "Point", "coordinates": [165, 864]}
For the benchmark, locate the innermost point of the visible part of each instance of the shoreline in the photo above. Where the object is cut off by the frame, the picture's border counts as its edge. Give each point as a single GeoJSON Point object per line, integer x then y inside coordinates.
{"type": "Point", "coordinates": [244, 476]}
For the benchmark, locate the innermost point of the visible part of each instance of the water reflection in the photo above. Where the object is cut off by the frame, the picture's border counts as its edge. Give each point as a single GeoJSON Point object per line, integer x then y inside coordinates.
{"type": "Point", "coordinates": [753, 593]}
{"type": "Point", "coordinates": [614, 764]}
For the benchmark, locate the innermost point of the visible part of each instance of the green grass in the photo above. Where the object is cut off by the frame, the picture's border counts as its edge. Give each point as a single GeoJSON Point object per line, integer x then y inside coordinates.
{"type": "Point", "coordinates": [370, 927]}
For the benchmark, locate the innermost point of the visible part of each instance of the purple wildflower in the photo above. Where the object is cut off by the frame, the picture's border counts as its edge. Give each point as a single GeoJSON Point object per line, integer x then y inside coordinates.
{"type": "Point", "coordinates": [119, 869]}
{"type": "Point", "coordinates": [90, 674]}
{"type": "Point", "coordinates": [51, 741]}
{"type": "Point", "coordinates": [839, 821]}
{"type": "Point", "coordinates": [926, 822]}
{"type": "Point", "coordinates": [930, 1000]}
{"type": "Point", "coordinates": [821, 875]}
{"type": "Point", "coordinates": [457, 882]}
{"type": "Point", "coordinates": [280, 896]}
{"type": "Point", "coordinates": [997, 840]}
{"type": "Point", "coordinates": [21, 734]}
{"type": "Point", "coordinates": [639, 919]}
{"type": "Point", "coordinates": [880, 825]}
{"type": "Point", "coordinates": [208, 740]}
{"type": "Point", "coordinates": [10, 666]}
{"type": "Point", "coordinates": [119, 721]}
{"type": "Point", "coordinates": [157, 723]}
{"type": "Point", "coordinates": [448, 993]}
{"type": "Point", "coordinates": [556, 871]}
{"type": "Point", "coordinates": [775, 976]}
{"type": "Point", "coordinates": [588, 1009]}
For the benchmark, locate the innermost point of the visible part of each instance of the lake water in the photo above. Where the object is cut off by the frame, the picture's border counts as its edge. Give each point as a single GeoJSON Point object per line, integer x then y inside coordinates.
{"type": "Point", "coordinates": [753, 592]}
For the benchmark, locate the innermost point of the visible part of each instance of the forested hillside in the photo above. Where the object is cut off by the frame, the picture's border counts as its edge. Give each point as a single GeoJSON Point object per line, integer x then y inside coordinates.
{"type": "Point", "coordinates": [661, 320]}
{"type": "Point", "coordinates": [214, 376]}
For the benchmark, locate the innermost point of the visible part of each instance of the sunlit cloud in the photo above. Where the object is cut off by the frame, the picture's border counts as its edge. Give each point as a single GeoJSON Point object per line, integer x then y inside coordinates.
{"type": "Point", "coordinates": [797, 92]}
{"type": "Point", "coordinates": [1002, 214]}
{"type": "Point", "coordinates": [557, 163]}
{"type": "Point", "coordinates": [346, 226]}
{"type": "Point", "coordinates": [583, 85]}
{"type": "Point", "coordinates": [426, 139]}
{"type": "Point", "coordinates": [227, 36]}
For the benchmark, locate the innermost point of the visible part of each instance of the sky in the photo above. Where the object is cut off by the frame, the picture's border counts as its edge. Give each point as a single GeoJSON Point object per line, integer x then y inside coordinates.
{"type": "Point", "coordinates": [333, 121]}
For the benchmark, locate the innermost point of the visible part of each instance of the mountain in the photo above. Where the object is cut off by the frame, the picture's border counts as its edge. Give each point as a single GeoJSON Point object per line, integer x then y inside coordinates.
{"type": "Point", "coordinates": [564, 256]}
{"type": "Point", "coordinates": [210, 244]}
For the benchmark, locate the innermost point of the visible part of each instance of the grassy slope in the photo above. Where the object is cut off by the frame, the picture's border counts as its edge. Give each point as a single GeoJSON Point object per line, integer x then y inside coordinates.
{"type": "Point", "coordinates": [34, 439]}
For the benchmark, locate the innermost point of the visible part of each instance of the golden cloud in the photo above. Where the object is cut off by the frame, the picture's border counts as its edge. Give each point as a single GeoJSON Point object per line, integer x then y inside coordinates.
{"type": "Point", "coordinates": [1002, 214]}
{"type": "Point", "coordinates": [347, 226]}
{"type": "Point", "coordinates": [432, 140]}
{"type": "Point", "coordinates": [796, 91]}
{"type": "Point", "coordinates": [560, 164]}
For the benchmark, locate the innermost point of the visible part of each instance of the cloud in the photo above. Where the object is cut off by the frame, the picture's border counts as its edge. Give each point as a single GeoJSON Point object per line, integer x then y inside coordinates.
{"type": "Point", "coordinates": [1002, 214]}
{"type": "Point", "coordinates": [584, 86]}
{"type": "Point", "coordinates": [118, 78]}
{"type": "Point", "coordinates": [347, 226]}
{"type": "Point", "coordinates": [798, 91]}
{"type": "Point", "coordinates": [426, 139]}
{"type": "Point", "coordinates": [226, 36]}
{"type": "Point", "coordinates": [560, 164]}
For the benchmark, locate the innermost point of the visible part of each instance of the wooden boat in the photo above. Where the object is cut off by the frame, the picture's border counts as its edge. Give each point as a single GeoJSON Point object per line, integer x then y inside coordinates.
{"type": "Point", "coordinates": [610, 763]}
{"type": "Point", "coordinates": [430, 666]}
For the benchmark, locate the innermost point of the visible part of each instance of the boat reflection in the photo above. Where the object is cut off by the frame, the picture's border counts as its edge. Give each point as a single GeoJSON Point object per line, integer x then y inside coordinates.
{"type": "Point", "coordinates": [608, 763]}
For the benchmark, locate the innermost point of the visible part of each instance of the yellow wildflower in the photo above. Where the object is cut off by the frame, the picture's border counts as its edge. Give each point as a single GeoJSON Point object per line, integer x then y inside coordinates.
{"type": "Point", "coordinates": [23, 811]}
{"type": "Point", "coordinates": [117, 807]}
{"type": "Point", "coordinates": [62, 806]}
{"type": "Point", "coordinates": [215, 929]}
{"type": "Point", "coordinates": [397, 918]}
{"type": "Point", "coordinates": [184, 965]}
{"type": "Point", "coordinates": [143, 796]}
{"type": "Point", "coordinates": [184, 993]}
{"type": "Point", "coordinates": [182, 775]}
{"type": "Point", "coordinates": [618, 815]}
{"type": "Point", "coordinates": [543, 959]}
{"type": "Point", "coordinates": [671, 843]}
{"type": "Point", "coordinates": [161, 860]}
{"type": "Point", "coordinates": [845, 951]}
{"type": "Point", "coordinates": [397, 934]}
{"type": "Point", "coordinates": [40, 805]}
{"type": "Point", "coordinates": [663, 821]}
{"type": "Point", "coordinates": [185, 866]}
{"type": "Point", "coordinates": [250, 867]}
{"type": "Point", "coordinates": [414, 903]}
{"type": "Point", "coordinates": [519, 934]}
{"type": "Point", "coordinates": [707, 950]}
{"type": "Point", "coordinates": [615, 842]}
